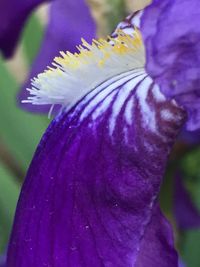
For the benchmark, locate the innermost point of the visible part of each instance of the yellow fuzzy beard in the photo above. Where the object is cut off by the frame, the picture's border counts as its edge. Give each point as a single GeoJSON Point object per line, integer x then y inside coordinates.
{"type": "Point", "coordinates": [100, 50]}
{"type": "Point", "coordinates": [73, 75]}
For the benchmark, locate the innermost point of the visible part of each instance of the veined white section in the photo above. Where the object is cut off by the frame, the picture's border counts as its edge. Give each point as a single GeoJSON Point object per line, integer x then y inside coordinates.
{"type": "Point", "coordinates": [159, 97]}
{"type": "Point", "coordinates": [97, 100]}
{"type": "Point", "coordinates": [104, 106]}
{"type": "Point", "coordinates": [129, 31]}
{"type": "Point", "coordinates": [136, 20]}
{"type": "Point", "coordinates": [126, 76]}
{"type": "Point", "coordinates": [129, 111]}
{"type": "Point", "coordinates": [119, 102]}
{"type": "Point", "coordinates": [128, 26]}
{"type": "Point", "coordinates": [104, 90]}
{"type": "Point", "coordinates": [148, 114]}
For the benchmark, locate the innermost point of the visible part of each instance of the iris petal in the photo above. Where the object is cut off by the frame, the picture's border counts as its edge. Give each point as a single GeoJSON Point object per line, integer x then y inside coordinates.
{"type": "Point", "coordinates": [91, 191]}
{"type": "Point", "coordinates": [157, 243]}
{"type": "Point", "coordinates": [171, 34]}
{"type": "Point", "coordinates": [13, 16]}
{"type": "Point", "coordinates": [69, 22]}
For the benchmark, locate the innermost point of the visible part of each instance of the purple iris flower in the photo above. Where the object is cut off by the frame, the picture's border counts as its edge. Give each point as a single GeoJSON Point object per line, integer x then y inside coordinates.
{"type": "Point", "coordinates": [90, 197]}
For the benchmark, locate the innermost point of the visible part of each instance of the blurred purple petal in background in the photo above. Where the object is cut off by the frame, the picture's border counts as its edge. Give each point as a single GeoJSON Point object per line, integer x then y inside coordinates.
{"type": "Point", "coordinates": [186, 214]}
{"type": "Point", "coordinates": [13, 15]}
{"type": "Point", "coordinates": [190, 138]}
{"type": "Point", "coordinates": [2, 261]}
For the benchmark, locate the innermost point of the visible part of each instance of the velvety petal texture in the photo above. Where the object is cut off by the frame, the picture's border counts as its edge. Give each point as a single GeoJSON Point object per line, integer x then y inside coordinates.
{"type": "Point", "coordinates": [90, 195]}
{"type": "Point", "coordinates": [13, 16]}
{"type": "Point", "coordinates": [69, 21]}
{"type": "Point", "coordinates": [157, 243]}
{"type": "Point", "coordinates": [171, 32]}
{"type": "Point", "coordinates": [186, 214]}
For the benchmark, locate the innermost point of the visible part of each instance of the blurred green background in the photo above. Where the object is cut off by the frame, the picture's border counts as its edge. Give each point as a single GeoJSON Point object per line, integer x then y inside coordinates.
{"type": "Point", "coordinates": [21, 131]}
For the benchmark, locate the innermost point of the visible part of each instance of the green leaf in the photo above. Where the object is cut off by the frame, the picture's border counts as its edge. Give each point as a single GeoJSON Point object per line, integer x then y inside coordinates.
{"type": "Point", "coordinates": [190, 165]}
{"type": "Point", "coordinates": [9, 191]}
{"type": "Point", "coordinates": [32, 37]}
{"type": "Point", "coordinates": [19, 130]}
{"type": "Point", "coordinates": [166, 193]}
{"type": "Point", "coordinates": [190, 243]}
{"type": "Point", "coordinates": [116, 13]}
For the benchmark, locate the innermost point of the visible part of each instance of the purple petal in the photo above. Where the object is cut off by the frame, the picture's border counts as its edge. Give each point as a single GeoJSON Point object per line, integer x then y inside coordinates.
{"type": "Point", "coordinates": [187, 215]}
{"type": "Point", "coordinates": [13, 16]}
{"type": "Point", "coordinates": [171, 31]}
{"type": "Point", "coordinates": [69, 21]}
{"type": "Point", "coordinates": [190, 138]}
{"type": "Point", "coordinates": [157, 243]}
{"type": "Point", "coordinates": [90, 194]}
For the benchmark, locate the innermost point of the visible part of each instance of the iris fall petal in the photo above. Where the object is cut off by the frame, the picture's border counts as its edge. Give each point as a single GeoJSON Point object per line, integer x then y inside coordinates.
{"type": "Point", "coordinates": [157, 243]}
{"type": "Point", "coordinates": [90, 195]}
